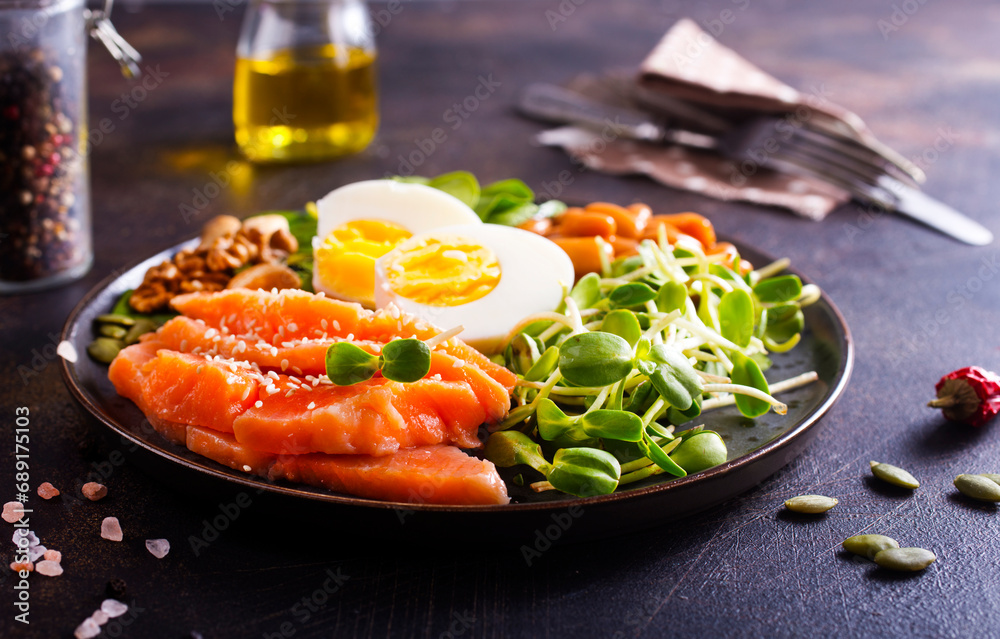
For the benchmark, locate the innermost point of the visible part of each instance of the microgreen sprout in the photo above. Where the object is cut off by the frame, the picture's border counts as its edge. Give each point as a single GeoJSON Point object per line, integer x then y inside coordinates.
{"type": "Point", "coordinates": [400, 360]}
{"type": "Point", "coordinates": [651, 342]}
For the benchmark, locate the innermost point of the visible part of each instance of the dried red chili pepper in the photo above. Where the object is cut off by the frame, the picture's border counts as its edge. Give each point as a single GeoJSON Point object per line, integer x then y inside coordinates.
{"type": "Point", "coordinates": [970, 395]}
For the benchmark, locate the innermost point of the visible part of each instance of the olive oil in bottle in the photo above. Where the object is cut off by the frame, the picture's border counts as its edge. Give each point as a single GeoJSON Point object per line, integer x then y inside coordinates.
{"type": "Point", "coordinates": [306, 103]}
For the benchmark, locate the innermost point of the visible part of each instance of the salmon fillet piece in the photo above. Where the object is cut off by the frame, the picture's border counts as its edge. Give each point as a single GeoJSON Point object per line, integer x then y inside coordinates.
{"type": "Point", "coordinates": [294, 318]}
{"type": "Point", "coordinates": [436, 474]}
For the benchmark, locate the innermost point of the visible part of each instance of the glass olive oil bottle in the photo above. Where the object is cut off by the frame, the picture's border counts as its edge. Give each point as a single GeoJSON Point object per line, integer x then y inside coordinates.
{"type": "Point", "coordinates": [305, 86]}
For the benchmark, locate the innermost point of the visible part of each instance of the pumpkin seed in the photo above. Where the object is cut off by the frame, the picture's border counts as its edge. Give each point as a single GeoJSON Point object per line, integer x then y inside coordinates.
{"type": "Point", "coordinates": [115, 318]}
{"type": "Point", "coordinates": [905, 559]}
{"type": "Point", "coordinates": [992, 477]}
{"type": "Point", "coordinates": [113, 331]}
{"type": "Point", "coordinates": [869, 545]}
{"type": "Point", "coordinates": [893, 475]}
{"type": "Point", "coordinates": [104, 349]}
{"type": "Point", "coordinates": [811, 504]}
{"type": "Point", "coordinates": [978, 487]}
{"type": "Point", "coordinates": [141, 327]}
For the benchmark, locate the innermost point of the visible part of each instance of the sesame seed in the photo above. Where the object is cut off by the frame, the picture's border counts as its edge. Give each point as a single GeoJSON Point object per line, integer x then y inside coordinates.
{"type": "Point", "coordinates": [274, 351]}
{"type": "Point", "coordinates": [298, 371]}
{"type": "Point", "coordinates": [184, 345]}
{"type": "Point", "coordinates": [349, 338]}
{"type": "Point", "coordinates": [293, 327]}
{"type": "Point", "coordinates": [324, 323]}
{"type": "Point", "coordinates": [258, 403]}
{"type": "Point", "coordinates": [246, 393]}
{"type": "Point", "coordinates": [290, 393]}
{"type": "Point", "coordinates": [199, 369]}
{"type": "Point", "coordinates": [273, 375]}
{"type": "Point", "coordinates": [336, 325]}
{"type": "Point", "coordinates": [284, 364]}
{"type": "Point", "coordinates": [210, 333]}
{"type": "Point", "coordinates": [305, 387]}
{"type": "Point", "coordinates": [246, 468]}
{"type": "Point", "coordinates": [271, 390]}
{"type": "Point", "coordinates": [311, 405]}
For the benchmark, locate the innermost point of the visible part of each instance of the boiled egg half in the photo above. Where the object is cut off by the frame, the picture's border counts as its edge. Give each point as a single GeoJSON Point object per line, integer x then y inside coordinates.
{"type": "Point", "coordinates": [361, 222]}
{"type": "Point", "coordinates": [484, 277]}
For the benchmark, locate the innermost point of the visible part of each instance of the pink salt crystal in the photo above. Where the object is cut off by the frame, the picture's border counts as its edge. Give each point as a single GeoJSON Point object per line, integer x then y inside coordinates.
{"type": "Point", "coordinates": [53, 555]}
{"type": "Point", "coordinates": [94, 491]}
{"type": "Point", "coordinates": [113, 608]}
{"type": "Point", "coordinates": [87, 630]}
{"type": "Point", "coordinates": [47, 490]}
{"type": "Point", "coordinates": [111, 529]}
{"type": "Point", "coordinates": [158, 547]}
{"type": "Point", "coordinates": [48, 568]}
{"type": "Point", "coordinates": [19, 566]}
{"type": "Point", "coordinates": [100, 617]}
{"type": "Point", "coordinates": [12, 511]}
{"type": "Point", "coordinates": [36, 552]}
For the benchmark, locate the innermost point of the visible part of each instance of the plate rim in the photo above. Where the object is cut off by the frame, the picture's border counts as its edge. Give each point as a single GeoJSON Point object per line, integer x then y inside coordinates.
{"type": "Point", "coordinates": [842, 377]}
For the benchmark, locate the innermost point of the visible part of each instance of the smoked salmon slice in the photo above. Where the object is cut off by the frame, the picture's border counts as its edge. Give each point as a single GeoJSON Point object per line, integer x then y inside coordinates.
{"type": "Point", "coordinates": [424, 475]}
{"type": "Point", "coordinates": [271, 323]}
{"type": "Point", "coordinates": [240, 379]}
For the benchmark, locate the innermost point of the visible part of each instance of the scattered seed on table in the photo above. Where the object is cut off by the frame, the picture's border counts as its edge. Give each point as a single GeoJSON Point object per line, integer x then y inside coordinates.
{"type": "Point", "coordinates": [993, 477]}
{"type": "Point", "coordinates": [111, 529]}
{"type": "Point", "coordinates": [158, 547]}
{"type": "Point", "coordinates": [894, 475]}
{"type": "Point", "coordinates": [978, 487]}
{"type": "Point", "coordinates": [94, 491]}
{"type": "Point", "coordinates": [47, 490]}
{"type": "Point", "coordinates": [12, 511]}
{"type": "Point", "coordinates": [48, 568]}
{"type": "Point", "coordinates": [905, 559]}
{"type": "Point", "coordinates": [811, 504]}
{"type": "Point", "coordinates": [869, 545]}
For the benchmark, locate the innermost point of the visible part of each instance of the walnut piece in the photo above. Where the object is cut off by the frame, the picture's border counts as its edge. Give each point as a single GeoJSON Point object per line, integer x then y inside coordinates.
{"type": "Point", "coordinates": [226, 245]}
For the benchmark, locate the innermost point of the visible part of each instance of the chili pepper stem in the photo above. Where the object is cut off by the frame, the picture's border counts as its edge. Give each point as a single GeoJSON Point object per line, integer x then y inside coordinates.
{"type": "Point", "coordinates": [943, 402]}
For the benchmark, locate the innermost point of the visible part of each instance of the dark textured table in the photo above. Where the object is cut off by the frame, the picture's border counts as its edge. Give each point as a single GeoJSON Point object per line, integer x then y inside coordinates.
{"type": "Point", "coordinates": [924, 75]}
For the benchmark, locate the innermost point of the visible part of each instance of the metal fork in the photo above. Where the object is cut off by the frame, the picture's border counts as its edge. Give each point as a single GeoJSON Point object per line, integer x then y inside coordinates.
{"type": "Point", "coordinates": [774, 143]}
{"type": "Point", "coordinates": [766, 141]}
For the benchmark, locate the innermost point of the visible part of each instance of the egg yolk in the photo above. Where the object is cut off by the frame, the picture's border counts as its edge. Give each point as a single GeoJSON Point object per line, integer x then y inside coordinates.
{"type": "Point", "coordinates": [442, 271]}
{"type": "Point", "coordinates": [346, 259]}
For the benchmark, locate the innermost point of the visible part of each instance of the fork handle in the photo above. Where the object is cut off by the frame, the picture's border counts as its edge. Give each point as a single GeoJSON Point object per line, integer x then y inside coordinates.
{"type": "Point", "coordinates": [550, 103]}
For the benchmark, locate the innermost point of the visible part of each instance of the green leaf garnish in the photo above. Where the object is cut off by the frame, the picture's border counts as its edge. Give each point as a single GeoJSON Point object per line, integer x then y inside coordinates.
{"type": "Point", "coordinates": [595, 359]}
{"type": "Point", "coordinates": [405, 360]}
{"type": "Point", "coordinates": [584, 472]}
{"type": "Point", "coordinates": [736, 317]}
{"type": "Point", "coordinates": [747, 373]}
{"type": "Point", "coordinates": [774, 290]}
{"type": "Point", "coordinates": [348, 364]}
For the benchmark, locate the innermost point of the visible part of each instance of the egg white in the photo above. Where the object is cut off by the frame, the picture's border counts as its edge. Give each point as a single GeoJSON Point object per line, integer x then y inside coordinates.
{"type": "Point", "coordinates": [534, 275]}
{"type": "Point", "coordinates": [415, 207]}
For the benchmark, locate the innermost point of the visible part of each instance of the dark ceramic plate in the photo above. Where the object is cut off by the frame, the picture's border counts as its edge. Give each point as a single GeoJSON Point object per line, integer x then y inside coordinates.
{"type": "Point", "coordinates": [757, 448]}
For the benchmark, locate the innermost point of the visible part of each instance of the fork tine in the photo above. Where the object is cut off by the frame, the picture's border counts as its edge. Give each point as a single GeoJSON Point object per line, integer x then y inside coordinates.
{"type": "Point", "coordinates": [861, 169]}
{"type": "Point", "coordinates": [861, 153]}
{"type": "Point", "coordinates": [910, 172]}
{"type": "Point", "coordinates": [792, 160]}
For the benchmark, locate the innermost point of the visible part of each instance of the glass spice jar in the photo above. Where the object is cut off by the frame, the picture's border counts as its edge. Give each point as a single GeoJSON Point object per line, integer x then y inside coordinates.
{"type": "Point", "coordinates": [45, 230]}
{"type": "Point", "coordinates": [304, 87]}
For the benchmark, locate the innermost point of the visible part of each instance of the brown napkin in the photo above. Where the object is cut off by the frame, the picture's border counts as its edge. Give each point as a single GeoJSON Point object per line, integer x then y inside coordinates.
{"type": "Point", "coordinates": [688, 68]}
